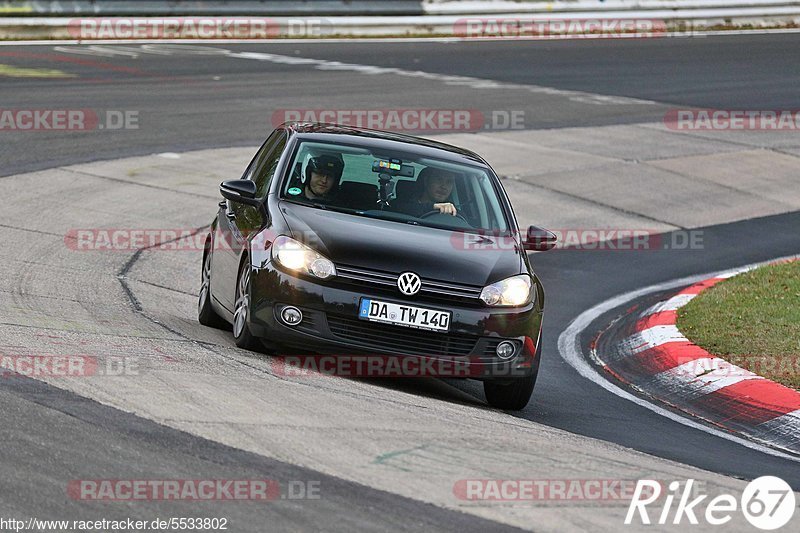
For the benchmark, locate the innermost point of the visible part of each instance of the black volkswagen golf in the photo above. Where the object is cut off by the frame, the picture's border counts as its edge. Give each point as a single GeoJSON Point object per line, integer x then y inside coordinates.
{"type": "Point", "coordinates": [341, 240]}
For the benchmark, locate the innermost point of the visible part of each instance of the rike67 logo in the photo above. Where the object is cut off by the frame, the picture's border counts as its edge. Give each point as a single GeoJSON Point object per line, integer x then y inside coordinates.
{"type": "Point", "coordinates": [767, 503]}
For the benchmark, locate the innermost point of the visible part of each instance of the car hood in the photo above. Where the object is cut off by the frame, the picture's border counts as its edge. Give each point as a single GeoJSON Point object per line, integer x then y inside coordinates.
{"type": "Point", "coordinates": [396, 247]}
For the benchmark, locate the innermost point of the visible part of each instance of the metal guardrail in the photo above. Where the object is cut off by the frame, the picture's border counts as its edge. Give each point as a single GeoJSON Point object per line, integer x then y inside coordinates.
{"type": "Point", "coordinates": [488, 7]}
{"type": "Point", "coordinates": [277, 8]}
{"type": "Point", "coordinates": [209, 7]}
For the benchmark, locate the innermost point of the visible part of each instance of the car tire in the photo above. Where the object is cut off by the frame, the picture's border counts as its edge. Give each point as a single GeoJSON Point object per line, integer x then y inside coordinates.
{"type": "Point", "coordinates": [514, 395]}
{"type": "Point", "coordinates": [241, 311]}
{"type": "Point", "coordinates": [205, 312]}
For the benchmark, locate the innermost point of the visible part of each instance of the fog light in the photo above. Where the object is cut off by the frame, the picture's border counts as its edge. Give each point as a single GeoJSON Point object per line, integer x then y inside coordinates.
{"type": "Point", "coordinates": [505, 350]}
{"type": "Point", "coordinates": [291, 316]}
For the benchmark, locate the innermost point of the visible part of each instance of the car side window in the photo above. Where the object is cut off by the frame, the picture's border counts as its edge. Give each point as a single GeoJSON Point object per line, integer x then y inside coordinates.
{"type": "Point", "coordinates": [263, 167]}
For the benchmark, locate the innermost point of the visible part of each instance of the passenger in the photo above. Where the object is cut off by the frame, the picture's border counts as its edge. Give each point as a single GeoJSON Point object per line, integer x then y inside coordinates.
{"type": "Point", "coordinates": [434, 188]}
{"type": "Point", "coordinates": [321, 179]}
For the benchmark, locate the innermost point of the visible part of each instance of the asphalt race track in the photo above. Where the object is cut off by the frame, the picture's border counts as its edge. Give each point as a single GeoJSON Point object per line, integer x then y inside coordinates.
{"type": "Point", "coordinates": [201, 409]}
{"type": "Point", "coordinates": [183, 107]}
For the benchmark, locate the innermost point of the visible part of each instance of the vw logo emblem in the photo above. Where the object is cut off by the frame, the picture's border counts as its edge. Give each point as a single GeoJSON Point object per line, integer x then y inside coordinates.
{"type": "Point", "coordinates": [409, 283]}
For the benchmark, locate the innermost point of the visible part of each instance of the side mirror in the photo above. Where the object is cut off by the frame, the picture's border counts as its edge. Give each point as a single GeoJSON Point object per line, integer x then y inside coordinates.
{"type": "Point", "coordinates": [539, 239]}
{"type": "Point", "coordinates": [242, 191]}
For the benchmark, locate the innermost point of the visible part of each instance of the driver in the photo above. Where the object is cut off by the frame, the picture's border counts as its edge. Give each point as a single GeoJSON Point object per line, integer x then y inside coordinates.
{"type": "Point", "coordinates": [435, 186]}
{"type": "Point", "coordinates": [321, 178]}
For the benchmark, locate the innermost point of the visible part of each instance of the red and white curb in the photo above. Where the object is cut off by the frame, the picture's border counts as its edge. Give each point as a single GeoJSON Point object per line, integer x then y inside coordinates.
{"type": "Point", "coordinates": [649, 353]}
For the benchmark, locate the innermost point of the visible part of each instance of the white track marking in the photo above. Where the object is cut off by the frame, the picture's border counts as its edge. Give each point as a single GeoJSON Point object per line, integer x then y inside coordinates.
{"type": "Point", "coordinates": [323, 41]}
{"type": "Point", "coordinates": [183, 49]}
{"type": "Point", "coordinates": [649, 338]}
{"type": "Point", "coordinates": [110, 51]}
{"type": "Point", "coordinates": [679, 300]}
{"type": "Point", "coordinates": [736, 272]}
{"type": "Point", "coordinates": [468, 81]}
{"type": "Point", "coordinates": [711, 369]}
{"type": "Point", "coordinates": [88, 51]}
{"type": "Point", "coordinates": [161, 49]}
{"type": "Point", "coordinates": [129, 51]}
{"type": "Point", "coordinates": [326, 65]}
{"type": "Point", "coordinates": [658, 335]}
{"type": "Point", "coordinates": [570, 350]}
{"type": "Point", "coordinates": [700, 377]}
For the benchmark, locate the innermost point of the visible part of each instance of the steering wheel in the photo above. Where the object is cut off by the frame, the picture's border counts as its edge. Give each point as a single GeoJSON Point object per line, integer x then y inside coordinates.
{"type": "Point", "coordinates": [437, 212]}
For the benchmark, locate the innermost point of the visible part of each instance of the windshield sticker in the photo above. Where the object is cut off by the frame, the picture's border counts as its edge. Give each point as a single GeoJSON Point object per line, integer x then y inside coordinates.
{"type": "Point", "coordinates": [294, 191]}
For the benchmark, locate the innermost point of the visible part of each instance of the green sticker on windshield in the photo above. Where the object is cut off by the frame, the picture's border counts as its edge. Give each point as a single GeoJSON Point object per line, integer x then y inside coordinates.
{"type": "Point", "coordinates": [294, 191]}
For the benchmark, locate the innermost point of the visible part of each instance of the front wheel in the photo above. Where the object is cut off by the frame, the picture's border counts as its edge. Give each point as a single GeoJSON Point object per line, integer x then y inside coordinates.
{"type": "Point", "coordinates": [513, 395]}
{"type": "Point", "coordinates": [205, 313]}
{"type": "Point", "coordinates": [241, 313]}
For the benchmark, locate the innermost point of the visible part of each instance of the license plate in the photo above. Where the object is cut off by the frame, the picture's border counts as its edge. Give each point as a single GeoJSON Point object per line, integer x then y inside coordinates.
{"type": "Point", "coordinates": [404, 315]}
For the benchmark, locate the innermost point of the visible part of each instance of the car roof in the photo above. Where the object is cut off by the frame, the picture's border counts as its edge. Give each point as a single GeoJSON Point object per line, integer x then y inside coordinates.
{"type": "Point", "coordinates": [374, 139]}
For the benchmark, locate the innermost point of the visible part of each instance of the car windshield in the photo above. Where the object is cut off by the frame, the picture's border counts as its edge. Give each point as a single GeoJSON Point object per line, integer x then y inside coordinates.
{"type": "Point", "coordinates": [401, 187]}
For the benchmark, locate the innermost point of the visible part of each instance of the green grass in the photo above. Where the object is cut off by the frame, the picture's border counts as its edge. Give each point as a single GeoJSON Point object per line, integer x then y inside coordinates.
{"type": "Point", "coordinates": [751, 320]}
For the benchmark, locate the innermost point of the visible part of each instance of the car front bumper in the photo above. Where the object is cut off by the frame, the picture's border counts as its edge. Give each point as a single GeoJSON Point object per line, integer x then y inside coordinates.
{"type": "Point", "coordinates": [331, 325]}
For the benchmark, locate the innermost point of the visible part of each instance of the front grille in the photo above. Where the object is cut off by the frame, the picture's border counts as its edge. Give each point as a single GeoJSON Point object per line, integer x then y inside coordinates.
{"type": "Point", "coordinates": [431, 289]}
{"type": "Point", "coordinates": [490, 349]}
{"type": "Point", "coordinates": [398, 339]}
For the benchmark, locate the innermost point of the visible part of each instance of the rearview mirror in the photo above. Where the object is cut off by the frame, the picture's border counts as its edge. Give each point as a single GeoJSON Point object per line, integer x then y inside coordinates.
{"type": "Point", "coordinates": [243, 191]}
{"type": "Point", "coordinates": [539, 239]}
{"type": "Point", "coordinates": [393, 167]}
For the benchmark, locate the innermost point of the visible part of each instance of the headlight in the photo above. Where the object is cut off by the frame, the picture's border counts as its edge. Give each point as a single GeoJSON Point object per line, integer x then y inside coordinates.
{"type": "Point", "coordinates": [295, 255]}
{"type": "Point", "coordinates": [513, 291]}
